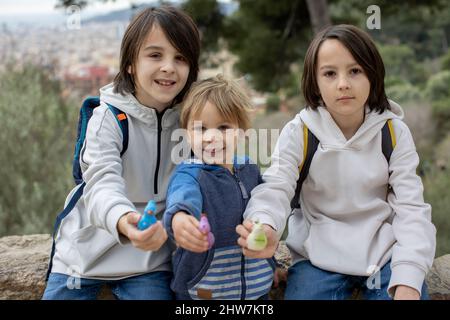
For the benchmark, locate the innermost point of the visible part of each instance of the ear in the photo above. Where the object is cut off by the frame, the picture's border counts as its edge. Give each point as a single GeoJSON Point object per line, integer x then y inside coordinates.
{"type": "Point", "coordinates": [130, 70]}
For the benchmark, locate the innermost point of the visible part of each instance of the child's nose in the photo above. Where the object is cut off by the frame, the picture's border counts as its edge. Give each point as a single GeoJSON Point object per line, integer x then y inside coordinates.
{"type": "Point", "coordinates": [168, 66]}
{"type": "Point", "coordinates": [343, 83]}
{"type": "Point", "coordinates": [212, 135]}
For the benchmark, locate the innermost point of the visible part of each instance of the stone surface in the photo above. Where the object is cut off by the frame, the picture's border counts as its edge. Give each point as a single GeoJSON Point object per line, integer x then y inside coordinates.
{"type": "Point", "coordinates": [24, 262]}
{"type": "Point", "coordinates": [438, 279]}
{"type": "Point", "coordinates": [23, 266]}
{"type": "Point", "coordinates": [284, 260]}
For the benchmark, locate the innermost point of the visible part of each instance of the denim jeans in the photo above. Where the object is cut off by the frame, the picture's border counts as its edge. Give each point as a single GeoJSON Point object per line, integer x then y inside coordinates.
{"type": "Point", "coordinates": [150, 286]}
{"type": "Point", "coordinates": [307, 282]}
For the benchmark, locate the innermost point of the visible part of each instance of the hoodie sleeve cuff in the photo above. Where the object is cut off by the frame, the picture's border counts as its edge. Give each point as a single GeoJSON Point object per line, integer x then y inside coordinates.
{"type": "Point", "coordinates": [113, 218]}
{"type": "Point", "coordinates": [168, 216]}
{"type": "Point", "coordinates": [407, 275]}
{"type": "Point", "coordinates": [265, 218]}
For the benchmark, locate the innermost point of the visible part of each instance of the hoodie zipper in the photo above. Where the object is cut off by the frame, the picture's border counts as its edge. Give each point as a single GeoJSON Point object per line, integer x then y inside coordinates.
{"type": "Point", "coordinates": [244, 195]}
{"type": "Point", "coordinates": [159, 117]}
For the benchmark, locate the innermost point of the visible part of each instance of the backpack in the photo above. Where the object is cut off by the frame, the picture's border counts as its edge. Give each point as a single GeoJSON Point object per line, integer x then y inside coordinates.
{"type": "Point", "coordinates": [310, 143]}
{"type": "Point", "coordinates": [86, 111]}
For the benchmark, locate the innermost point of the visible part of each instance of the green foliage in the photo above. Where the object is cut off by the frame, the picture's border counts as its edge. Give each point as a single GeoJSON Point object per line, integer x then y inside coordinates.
{"type": "Point", "coordinates": [209, 19]}
{"type": "Point", "coordinates": [442, 152]}
{"type": "Point", "coordinates": [400, 63]}
{"type": "Point", "coordinates": [419, 25]}
{"type": "Point", "coordinates": [446, 61]}
{"type": "Point", "coordinates": [441, 115]}
{"type": "Point", "coordinates": [438, 87]}
{"type": "Point", "coordinates": [273, 103]}
{"type": "Point", "coordinates": [403, 92]}
{"type": "Point", "coordinates": [293, 84]}
{"type": "Point", "coordinates": [268, 37]}
{"type": "Point", "coordinates": [436, 186]}
{"type": "Point", "coordinates": [37, 140]}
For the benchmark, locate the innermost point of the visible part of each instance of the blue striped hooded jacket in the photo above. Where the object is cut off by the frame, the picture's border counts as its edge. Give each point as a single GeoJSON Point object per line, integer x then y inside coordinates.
{"type": "Point", "coordinates": [222, 272]}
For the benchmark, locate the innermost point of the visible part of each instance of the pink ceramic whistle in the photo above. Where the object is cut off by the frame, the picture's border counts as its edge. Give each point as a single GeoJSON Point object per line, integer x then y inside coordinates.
{"type": "Point", "coordinates": [206, 228]}
{"type": "Point", "coordinates": [204, 224]}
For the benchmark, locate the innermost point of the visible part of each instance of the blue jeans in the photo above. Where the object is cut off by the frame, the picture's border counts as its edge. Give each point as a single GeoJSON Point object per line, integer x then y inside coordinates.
{"type": "Point", "coordinates": [150, 286]}
{"type": "Point", "coordinates": [307, 282]}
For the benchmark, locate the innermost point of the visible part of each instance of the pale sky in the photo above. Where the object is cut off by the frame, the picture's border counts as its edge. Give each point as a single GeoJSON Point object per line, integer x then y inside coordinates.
{"type": "Point", "coordinates": [27, 7]}
{"type": "Point", "coordinates": [32, 7]}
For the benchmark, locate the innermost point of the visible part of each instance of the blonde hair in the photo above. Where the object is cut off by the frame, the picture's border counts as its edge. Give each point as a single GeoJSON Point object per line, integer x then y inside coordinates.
{"type": "Point", "coordinates": [232, 103]}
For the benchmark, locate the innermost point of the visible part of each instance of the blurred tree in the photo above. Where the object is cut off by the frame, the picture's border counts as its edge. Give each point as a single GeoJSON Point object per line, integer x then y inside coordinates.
{"type": "Point", "coordinates": [401, 65]}
{"type": "Point", "coordinates": [273, 103]}
{"type": "Point", "coordinates": [209, 19]}
{"type": "Point", "coordinates": [438, 87]}
{"type": "Point", "coordinates": [438, 91]}
{"type": "Point", "coordinates": [79, 3]}
{"type": "Point", "coordinates": [270, 36]}
{"type": "Point", "coordinates": [422, 25]}
{"type": "Point", "coordinates": [38, 134]}
{"type": "Point", "coordinates": [445, 60]}
{"type": "Point", "coordinates": [318, 13]}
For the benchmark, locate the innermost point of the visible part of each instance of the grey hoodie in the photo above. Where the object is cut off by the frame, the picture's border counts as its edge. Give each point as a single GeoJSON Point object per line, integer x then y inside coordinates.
{"type": "Point", "coordinates": [348, 222]}
{"type": "Point", "coordinates": [88, 243]}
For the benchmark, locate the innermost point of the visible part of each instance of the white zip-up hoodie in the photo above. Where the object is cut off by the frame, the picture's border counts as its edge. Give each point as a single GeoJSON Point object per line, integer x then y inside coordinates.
{"type": "Point", "coordinates": [348, 222]}
{"type": "Point", "coordinates": [88, 243]}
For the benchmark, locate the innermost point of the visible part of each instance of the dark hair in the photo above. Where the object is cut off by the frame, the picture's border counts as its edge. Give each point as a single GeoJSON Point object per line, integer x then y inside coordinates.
{"type": "Point", "coordinates": [364, 51]}
{"type": "Point", "coordinates": [179, 29]}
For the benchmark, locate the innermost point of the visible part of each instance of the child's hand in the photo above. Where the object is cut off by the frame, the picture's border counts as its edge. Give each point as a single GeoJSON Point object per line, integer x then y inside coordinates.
{"type": "Point", "coordinates": [150, 239]}
{"type": "Point", "coordinates": [272, 240]}
{"type": "Point", "coordinates": [406, 293]}
{"type": "Point", "coordinates": [186, 233]}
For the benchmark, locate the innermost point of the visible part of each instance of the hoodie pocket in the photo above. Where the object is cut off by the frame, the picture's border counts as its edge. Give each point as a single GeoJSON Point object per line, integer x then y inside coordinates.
{"type": "Point", "coordinates": [91, 244]}
{"type": "Point", "coordinates": [221, 279]}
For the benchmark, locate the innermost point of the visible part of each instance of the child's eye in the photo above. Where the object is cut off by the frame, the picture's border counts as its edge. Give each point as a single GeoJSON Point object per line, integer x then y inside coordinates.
{"type": "Point", "coordinates": [155, 55]}
{"type": "Point", "coordinates": [355, 71]}
{"type": "Point", "coordinates": [329, 74]}
{"type": "Point", "coordinates": [181, 58]}
{"type": "Point", "coordinates": [224, 127]}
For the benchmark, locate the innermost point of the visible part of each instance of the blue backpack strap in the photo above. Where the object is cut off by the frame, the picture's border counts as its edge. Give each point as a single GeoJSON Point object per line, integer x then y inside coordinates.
{"type": "Point", "coordinates": [86, 111]}
{"type": "Point", "coordinates": [76, 196]}
{"type": "Point", "coordinates": [310, 143]}
{"type": "Point", "coordinates": [122, 120]}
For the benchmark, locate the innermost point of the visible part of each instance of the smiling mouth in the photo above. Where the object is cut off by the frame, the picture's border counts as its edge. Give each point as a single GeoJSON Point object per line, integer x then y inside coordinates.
{"type": "Point", "coordinates": [165, 83]}
{"type": "Point", "coordinates": [212, 152]}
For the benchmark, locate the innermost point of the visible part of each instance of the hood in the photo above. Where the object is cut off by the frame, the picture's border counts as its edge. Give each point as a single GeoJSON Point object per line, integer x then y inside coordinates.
{"type": "Point", "coordinates": [322, 125]}
{"type": "Point", "coordinates": [239, 162]}
{"type": "Point", "coordinates": [132, 107]}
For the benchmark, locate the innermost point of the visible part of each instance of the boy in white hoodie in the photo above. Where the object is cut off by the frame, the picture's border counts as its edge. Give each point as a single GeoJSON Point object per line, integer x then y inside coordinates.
{"type": "Point", "coordinates": [362, 221]}
{"type": "Point", "coordinates": [98, 242]}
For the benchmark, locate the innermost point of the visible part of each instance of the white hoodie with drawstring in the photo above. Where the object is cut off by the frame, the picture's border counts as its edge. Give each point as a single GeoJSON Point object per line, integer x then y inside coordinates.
{"type": "Point", "coordinates": [349, 222]}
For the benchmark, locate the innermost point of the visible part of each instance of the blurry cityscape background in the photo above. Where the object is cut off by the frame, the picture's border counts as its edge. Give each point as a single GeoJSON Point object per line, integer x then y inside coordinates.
{"type": "Point", "coordinates": [53, 53]}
